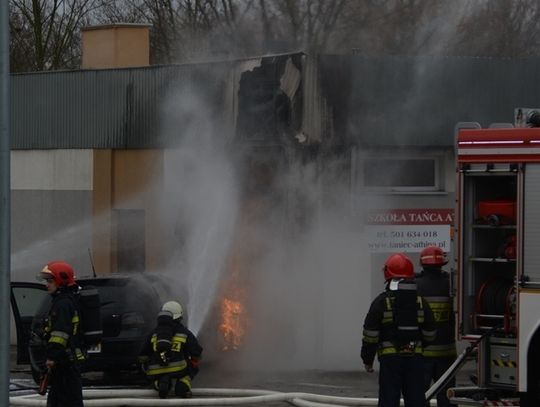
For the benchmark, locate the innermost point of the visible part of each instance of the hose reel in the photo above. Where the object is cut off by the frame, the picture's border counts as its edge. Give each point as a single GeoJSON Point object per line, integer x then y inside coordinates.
{"type": "Point", "coordinates": [495, 303]}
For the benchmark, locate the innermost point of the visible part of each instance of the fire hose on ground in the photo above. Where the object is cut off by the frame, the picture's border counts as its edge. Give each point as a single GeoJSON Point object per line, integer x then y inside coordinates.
{"type": "Point", "coordinates": [203, 397]}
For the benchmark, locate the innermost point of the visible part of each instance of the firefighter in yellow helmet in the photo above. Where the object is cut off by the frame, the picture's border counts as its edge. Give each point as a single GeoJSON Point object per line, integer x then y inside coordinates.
{"type": "Point", "coordinates": [396, 327]}
{"type": "Point", "coordinates": [62, 335]}
{"type": "Point", "coordinates": [173, 353]}
{"type": "Point", "coordinates": [434, 285]}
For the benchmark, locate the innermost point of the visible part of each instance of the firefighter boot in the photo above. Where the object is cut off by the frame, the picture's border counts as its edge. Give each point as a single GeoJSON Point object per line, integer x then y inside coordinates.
{"type": "Point", "coordinates": [163, 386]}
{"type": "Point", "coordinates": [183, 388]}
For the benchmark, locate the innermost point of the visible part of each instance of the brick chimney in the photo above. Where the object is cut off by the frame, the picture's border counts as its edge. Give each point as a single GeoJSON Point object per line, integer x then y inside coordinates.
{"type": "Point", "coordinates": [115, 46]}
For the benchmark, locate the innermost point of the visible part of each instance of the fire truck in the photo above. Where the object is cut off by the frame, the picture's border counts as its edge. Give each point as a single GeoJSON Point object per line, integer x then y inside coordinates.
{"type": "Point", "coordinates": [497, 247]}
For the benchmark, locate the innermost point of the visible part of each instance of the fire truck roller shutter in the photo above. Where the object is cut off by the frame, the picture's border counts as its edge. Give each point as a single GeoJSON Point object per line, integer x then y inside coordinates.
{"type": "Point", "coordinates": [531, 230]}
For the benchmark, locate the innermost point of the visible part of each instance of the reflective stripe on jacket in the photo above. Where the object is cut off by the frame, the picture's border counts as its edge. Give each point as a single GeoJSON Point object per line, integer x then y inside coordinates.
{"type": "Point", "coordinates": [434, 285]}
{"type": "Point", "coordinates": [183, 345]}
{"type": "Point", "coordinates": [380, 330]}
{"type": "Point", "coordinates": [62, 326]}
{"type": "Point", "coordinates": [171, 367]}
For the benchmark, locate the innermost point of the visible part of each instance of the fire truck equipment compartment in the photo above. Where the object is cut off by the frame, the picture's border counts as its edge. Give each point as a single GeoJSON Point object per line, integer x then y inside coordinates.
{"type": "Point", "coordinates": [502, 208]}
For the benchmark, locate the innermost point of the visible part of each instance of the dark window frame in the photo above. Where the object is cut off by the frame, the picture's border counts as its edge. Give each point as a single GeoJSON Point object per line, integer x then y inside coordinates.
{"type": "Point", "coordinates": [390, 158]}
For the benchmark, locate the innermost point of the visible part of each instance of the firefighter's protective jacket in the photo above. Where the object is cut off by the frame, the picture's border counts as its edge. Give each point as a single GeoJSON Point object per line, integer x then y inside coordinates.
{"type": "Point", "coordinates": [434, 285]}
{"type": "Point", "coordinates": [62, 327]}
{"type": "Point", "coordinates": [171, 349]}
{"type": "Point", "coordinates": [389, 331]}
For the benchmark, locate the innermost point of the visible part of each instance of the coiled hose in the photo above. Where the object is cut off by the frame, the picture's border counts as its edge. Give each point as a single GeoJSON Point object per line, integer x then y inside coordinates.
{"type": "Point", "coordinates": [203, 397]}
{"type": "Point", "coordinates": [496, 296]}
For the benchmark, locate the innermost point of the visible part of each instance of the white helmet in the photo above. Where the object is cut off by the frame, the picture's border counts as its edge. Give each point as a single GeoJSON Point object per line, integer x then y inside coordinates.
{"type": "Point", "coordinates": [174, 308]}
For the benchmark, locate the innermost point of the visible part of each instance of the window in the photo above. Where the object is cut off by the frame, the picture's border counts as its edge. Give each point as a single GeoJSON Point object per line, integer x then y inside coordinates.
{"type": "Point", "coordinates": [402, 171]}
{"type": "Point", "coordinates": [28, 299]}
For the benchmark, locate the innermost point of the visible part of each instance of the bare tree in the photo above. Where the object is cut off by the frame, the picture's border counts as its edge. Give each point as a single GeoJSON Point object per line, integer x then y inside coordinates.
{"type": "Point", "coordinates": [506, 28]}
{"type": "Point", "coordinates": [186, 30]}
{"type": "Point", "coordinates": [299, 24]}
{"type": "Point", "coordinates": [45, 34]}
{"type": "Point", "coordinates": [394, 27]}
{"type": "Point", "coordinates": [503, 28]}
{"type": "Point", "coordinates": [120, 11]}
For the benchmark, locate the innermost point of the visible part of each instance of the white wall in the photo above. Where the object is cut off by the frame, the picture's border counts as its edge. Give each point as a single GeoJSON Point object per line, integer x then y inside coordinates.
{"type": "Point", "coordinates": [51, 208]}
{"type": "Point", "coordinates": [51, 169]}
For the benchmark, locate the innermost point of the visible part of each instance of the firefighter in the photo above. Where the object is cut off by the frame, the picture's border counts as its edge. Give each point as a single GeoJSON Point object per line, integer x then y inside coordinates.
{"type": "Point", "coordinates": [173, 353]}
{"type": "Point", "coordinates": [62, 335]}
{"type": "Point", "coordinates": [434, 285]}
{"type": "Point", "coordinates": [398, 323]}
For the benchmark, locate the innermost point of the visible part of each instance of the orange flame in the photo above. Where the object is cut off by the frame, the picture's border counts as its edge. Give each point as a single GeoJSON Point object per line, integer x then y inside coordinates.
{"type": "Point", "coordinates": [232, 323]}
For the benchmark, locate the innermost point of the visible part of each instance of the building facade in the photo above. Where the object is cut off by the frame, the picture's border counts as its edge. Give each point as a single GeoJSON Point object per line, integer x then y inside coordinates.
{"type": "Point", "coordinates": [280, 183]}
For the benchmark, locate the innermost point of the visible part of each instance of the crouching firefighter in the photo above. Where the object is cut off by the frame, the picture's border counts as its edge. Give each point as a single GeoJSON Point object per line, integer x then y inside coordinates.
{"type": "Point", "coordinates": [64, 342]}
{"type": "Point", "coordinates": [173, 353]}
{"type": "Point", "coordinates": [396, 327]}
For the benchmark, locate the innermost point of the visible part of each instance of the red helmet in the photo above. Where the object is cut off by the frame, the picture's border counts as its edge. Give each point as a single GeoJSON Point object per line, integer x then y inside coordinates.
{"type": "Point", "coordinates": [433, 256]}
{"type": "Point", "coordinates": [60, 271]}
{"type": "Point", "coordinates": [398, 266]}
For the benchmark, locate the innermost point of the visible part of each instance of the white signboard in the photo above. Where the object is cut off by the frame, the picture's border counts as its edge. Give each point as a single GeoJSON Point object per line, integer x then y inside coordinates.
{"type": "Point", "coordinates": [408, 231]}
{"type": "Point", "coordinates": [407, 238]}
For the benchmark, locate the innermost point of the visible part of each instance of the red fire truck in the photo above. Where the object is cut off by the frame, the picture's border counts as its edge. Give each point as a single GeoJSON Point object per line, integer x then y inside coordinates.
{"type": "Point", "coordinates": [498, 261]}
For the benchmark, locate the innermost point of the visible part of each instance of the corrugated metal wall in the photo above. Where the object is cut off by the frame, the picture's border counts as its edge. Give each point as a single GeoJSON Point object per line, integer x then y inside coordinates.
{"type": "Point", "coordinates": [416, 101]}
{"type": "Point", "coordinates": [117, 108]}
{"type": "Point", "coordinates": [412, 101]}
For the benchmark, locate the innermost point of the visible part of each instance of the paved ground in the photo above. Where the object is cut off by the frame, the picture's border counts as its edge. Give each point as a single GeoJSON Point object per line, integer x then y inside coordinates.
{"type": "Point", "coordinates": [335, 383]}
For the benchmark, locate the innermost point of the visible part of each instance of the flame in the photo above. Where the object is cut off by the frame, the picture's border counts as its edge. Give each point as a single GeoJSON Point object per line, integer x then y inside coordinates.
{"type": "Point", "coordinates": [232, 323]}
{"type": "Point", "coordinates": [243, 257]}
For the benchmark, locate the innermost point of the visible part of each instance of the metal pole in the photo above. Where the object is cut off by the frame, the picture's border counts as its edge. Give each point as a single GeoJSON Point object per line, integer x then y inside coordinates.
{"type": "Point", "coordinates": [5, 206]}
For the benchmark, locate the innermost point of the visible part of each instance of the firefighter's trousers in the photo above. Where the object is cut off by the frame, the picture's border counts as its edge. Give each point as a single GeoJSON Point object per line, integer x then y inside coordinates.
{"type": "Point", "coordinates": [434, 368]}
{"type": "Point", "coordinates": [66, 387]}
{"type": "Point", "coordinates": [401, 374]}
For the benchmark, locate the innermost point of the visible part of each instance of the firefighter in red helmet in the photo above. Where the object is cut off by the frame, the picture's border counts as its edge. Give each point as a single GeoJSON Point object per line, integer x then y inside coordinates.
{"type": "Point", "coordinates": [434, 285]}
{"type": "Point", "coordinates": [397, 325]}
{"type": "Point", "coordinates": [64, 344]}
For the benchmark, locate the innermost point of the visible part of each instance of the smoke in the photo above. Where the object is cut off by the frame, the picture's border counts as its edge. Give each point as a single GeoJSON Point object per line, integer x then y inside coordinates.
{"type": "Point", "coordinates": [305, 307]}
{"type": "Point", "coordinates": [201, 200]}
{"type": "Point", "coordinates": [71, 243]}
{"type": "Point", "coordinates": [272, 234]}
{"type": "Point", "coordinates": [438, 29]}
